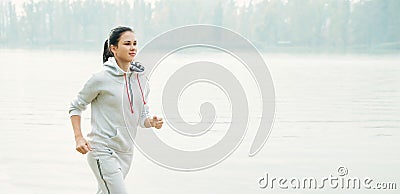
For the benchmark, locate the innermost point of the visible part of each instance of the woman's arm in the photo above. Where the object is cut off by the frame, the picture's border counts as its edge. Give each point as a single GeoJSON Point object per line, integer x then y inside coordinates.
{"type": "Point", "coordinates": [145, 118]}
{"type": "Point", "coordinates": [85, 96]}
{"type": "Point", "coordinates": [82, 145]}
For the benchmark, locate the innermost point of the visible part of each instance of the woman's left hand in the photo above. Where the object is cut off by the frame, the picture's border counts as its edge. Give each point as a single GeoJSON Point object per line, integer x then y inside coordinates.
{"type": "Point", "coordinates": [157, 122]}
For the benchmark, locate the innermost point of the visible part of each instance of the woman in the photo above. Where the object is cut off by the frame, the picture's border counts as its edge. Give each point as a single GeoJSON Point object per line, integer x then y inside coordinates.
{"type": "Point", "coordinates": [118, 98]}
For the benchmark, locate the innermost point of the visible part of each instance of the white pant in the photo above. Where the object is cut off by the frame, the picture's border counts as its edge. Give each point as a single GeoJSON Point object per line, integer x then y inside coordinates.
{"type": "Point", "coordinates": [110, 169]}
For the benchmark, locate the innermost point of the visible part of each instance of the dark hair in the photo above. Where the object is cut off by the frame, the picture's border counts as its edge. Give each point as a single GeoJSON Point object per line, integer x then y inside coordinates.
{"type": "Point", "coordinates": [113, 39]}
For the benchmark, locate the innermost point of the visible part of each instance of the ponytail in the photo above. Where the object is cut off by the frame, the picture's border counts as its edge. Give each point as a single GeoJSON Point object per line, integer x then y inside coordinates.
{"type": "Point", "coordinates": [106, 52]}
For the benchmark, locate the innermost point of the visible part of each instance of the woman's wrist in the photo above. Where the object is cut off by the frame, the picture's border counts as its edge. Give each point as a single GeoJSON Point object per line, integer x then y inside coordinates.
{"type": "Point", "coordinates": [78, 136]}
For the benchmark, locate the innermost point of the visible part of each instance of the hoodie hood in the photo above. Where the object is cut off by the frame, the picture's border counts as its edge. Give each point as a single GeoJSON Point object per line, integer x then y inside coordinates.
{"type": "Point", "coordinates": [112, 67]}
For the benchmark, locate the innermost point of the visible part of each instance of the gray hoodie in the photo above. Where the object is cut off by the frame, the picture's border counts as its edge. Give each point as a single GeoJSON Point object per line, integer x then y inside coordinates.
{"type": "Point", "coordinates": [118, 103]}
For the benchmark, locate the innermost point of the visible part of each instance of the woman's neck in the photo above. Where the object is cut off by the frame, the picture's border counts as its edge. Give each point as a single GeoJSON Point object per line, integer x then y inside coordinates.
{"type": "Point", "coordinates": [123, 65]}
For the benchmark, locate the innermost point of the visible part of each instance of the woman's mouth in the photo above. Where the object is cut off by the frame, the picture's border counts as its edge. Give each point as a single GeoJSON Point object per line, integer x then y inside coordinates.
{"type": "Point", "coordinates": [132, 54]}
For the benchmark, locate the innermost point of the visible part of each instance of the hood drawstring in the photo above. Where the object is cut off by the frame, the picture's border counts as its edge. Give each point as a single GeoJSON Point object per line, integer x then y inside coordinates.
{"type": "Point", "coordinates": [141, 91]}
{"type": "Point", "coordinates": [130, 97]}
{"type": "Point", "coordinates": [127, 92]}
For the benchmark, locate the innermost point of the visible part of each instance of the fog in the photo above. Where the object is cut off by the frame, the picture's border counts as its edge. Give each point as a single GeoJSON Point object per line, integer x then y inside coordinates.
{"type": "Point", "coordinates": [272, 25]}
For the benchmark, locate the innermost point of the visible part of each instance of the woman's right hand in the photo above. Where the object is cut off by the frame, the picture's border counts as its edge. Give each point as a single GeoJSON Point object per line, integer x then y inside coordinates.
{"type": "Point", "coordinates": [82, 146]}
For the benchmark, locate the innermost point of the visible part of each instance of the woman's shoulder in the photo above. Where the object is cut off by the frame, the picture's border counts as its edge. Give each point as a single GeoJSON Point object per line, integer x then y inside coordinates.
{"type": "Point", "coordinates": [97, 76]}
{"type": "Point", "coordinates": [104, 76]}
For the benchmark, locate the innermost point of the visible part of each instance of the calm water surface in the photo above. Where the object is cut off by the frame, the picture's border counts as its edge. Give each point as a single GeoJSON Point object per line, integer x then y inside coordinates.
{"type": "Point", "coordinates": [332, 110]}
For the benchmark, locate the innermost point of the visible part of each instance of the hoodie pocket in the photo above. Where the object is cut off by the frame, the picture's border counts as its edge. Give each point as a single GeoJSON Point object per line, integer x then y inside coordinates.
{"type": "Point", "coordinates": [121, 141]}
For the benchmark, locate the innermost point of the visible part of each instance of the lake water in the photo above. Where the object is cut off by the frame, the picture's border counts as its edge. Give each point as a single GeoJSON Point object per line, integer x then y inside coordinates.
{"type": "Point", "coordinates": [332, 111]}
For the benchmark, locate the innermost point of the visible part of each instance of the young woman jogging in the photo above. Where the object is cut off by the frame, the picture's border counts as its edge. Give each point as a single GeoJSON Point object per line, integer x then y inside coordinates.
{"type": "Point", "coordinates": [118, 97]}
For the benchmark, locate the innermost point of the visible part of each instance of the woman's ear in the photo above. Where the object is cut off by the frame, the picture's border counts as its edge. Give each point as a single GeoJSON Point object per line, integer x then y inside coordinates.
{"type": "Point", "coordinates": [113, 48]}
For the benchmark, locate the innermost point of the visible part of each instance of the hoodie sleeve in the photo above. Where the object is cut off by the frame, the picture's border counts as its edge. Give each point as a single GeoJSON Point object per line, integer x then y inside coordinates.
{"type": "Point", "coordinates": [145, 111]}
{"type": "Point", "coordinates": [84, 97]}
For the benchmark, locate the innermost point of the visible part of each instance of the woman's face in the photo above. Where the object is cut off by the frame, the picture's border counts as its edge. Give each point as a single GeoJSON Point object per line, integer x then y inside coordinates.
{"type": "Point", "coordinates": [126, 49]}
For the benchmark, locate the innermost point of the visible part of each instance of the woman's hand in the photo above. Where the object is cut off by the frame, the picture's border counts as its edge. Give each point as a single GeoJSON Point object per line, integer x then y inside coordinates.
{"type": "Point", "coordinates": [82, 145]}
{"type": "Point", "coordinates": [156, 122]}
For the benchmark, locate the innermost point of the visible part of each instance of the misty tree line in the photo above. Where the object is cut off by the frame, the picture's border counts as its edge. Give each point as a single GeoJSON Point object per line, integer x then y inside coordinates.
{"type": "Point", "coordinates": [312, 25]}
